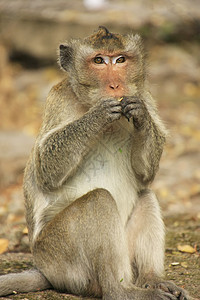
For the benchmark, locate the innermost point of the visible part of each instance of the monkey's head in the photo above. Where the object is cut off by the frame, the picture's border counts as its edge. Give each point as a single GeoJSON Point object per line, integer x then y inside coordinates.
{"type": "Point", "coordinates": [104, 65]}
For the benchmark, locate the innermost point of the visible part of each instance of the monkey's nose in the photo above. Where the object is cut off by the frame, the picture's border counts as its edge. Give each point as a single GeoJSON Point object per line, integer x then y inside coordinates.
{"type": "Point", "coordinates": [114, 86]}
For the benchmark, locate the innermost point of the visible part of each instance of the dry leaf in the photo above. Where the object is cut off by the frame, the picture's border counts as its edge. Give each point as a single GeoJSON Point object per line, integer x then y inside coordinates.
{"type": "Point", "coordinates": [186, 248]}
{"type": "Point", "coordinates": [25, 230]}
{"type": "Point", "coordinates": [175, 263]}
{"type": "Point", "coordinates": [184, 264]}
{"type": "Point", "coordinates": [3, 245]}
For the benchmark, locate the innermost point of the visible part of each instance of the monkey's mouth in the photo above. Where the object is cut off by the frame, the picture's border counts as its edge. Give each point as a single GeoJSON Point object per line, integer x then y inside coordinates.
{"type": "Point", "coordinates": [116, 95]}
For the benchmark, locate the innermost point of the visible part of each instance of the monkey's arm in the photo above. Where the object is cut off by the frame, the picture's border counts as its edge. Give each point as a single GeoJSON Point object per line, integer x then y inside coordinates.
{"type": "Point", "coordinates": [59, 151]}
{"type": "Point", "coordinates": [149, 136]}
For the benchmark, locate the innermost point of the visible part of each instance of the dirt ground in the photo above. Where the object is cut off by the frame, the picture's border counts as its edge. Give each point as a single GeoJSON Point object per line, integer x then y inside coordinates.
{"type": "Point", "coordinates": [182, 268]}
{"type": "Point", "coordinates": [174, 80]}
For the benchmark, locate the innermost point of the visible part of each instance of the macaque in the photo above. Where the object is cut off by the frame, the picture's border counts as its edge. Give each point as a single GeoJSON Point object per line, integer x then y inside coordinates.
{"type": "Point", "coordinates": [95, 226]}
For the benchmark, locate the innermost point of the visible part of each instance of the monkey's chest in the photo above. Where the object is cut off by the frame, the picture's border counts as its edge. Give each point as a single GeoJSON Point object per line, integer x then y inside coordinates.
{"type": "Point", "coordinates": [108, 166]}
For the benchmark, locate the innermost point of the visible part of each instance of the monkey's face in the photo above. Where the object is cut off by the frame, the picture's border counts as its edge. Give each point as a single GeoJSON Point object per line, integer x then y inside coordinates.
{"type": "Point", "coordinates": [110, 73]}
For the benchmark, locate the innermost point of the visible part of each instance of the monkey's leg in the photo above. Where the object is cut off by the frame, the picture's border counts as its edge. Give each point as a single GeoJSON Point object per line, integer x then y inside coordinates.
{"type": "Point", "coordinates": [146, 241]}
{"type": "Point", "coordinates": [83, 250]}
{"type": "Point", "coordinates": [80, 249]}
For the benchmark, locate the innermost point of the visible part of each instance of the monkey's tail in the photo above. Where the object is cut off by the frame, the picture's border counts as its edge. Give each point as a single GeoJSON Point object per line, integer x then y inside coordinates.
{"type": "Point", "coordinates": [27, 281]}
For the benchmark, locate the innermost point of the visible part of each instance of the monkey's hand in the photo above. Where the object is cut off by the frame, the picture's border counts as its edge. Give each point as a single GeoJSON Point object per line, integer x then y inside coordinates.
{"type": "Point", "coordinates": [107, 110]}
{"type": "Point", "coordinates": [133, 107]}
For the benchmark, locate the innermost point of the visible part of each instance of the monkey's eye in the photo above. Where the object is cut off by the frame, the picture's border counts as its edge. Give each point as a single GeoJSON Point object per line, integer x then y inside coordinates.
{"type": "Point", "coordinates": [120, 60]}
{"type": "Point", "coordinates": [98, 60]}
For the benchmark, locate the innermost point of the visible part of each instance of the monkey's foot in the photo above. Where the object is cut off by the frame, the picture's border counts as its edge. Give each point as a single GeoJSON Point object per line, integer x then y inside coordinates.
{"type": "Point", "coordinates": [169, 287]}
{"type": "Point", "coordinates": [144, 294]}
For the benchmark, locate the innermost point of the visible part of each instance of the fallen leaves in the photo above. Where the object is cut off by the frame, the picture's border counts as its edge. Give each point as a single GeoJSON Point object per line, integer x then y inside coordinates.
{"type": "Point", "coordinates": [25, 230]}
{"type": "Point", "coordinates": [175, 264]}
{"type": "Point", "coordinates": [186, 248]}
{"type": "Point", "coordinates": [3, 245]}
{"type": "Point", "coordinates": [182, 264]}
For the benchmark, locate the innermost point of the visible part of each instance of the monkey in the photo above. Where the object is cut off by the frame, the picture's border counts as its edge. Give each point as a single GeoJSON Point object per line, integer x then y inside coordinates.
{"type": "Point", "coordinates": [95, 225]}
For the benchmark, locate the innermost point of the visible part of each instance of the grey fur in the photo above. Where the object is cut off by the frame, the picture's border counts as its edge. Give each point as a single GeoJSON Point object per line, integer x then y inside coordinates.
{"type": "Point", "coordinates": [95, 227]}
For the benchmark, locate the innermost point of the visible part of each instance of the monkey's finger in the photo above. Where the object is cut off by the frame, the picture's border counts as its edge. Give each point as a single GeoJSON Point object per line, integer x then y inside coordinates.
{"type": "Point", "coordinates": [178, 292]}
{"type": "Point", "coordinates": [173, 289]}
{"type": "Point", "coordinates": [163, 287]}
{"type": "Point", "coordinates": [109, 104]}
{"type": "Point", "coordinates": [112, 102]}
{"type": "Point", "coordinates": [168, 296]}
{"type": "Point", "coordinates": [136, 114]}
{"type": "Point", "coordinates": [126, 103]}
{"type": "Point", "coordinates": [131, 107]}
{"type": "Point", "coordinates": [183, 297]}
{"type": "Point", "coordinates": [115, 116]}
{"type": "Point", "coordinates": [116, 109]}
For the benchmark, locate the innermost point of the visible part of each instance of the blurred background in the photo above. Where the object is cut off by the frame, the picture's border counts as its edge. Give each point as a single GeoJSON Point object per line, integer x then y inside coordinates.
{"type": "Point", "coordinates": [30, 32]}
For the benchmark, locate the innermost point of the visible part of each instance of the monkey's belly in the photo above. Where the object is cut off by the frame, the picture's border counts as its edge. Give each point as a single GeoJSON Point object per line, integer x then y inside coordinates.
{"type": "Point", "coordinates": [107, 171]}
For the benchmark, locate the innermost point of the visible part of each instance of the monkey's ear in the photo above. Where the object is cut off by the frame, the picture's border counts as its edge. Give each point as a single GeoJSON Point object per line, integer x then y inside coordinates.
{"type": "Point", "coordinates": [138, 40]}
{"type": "Point", "coordinates": [65, 56]}
{"type": "Point", "coordinates": [134, 43]}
